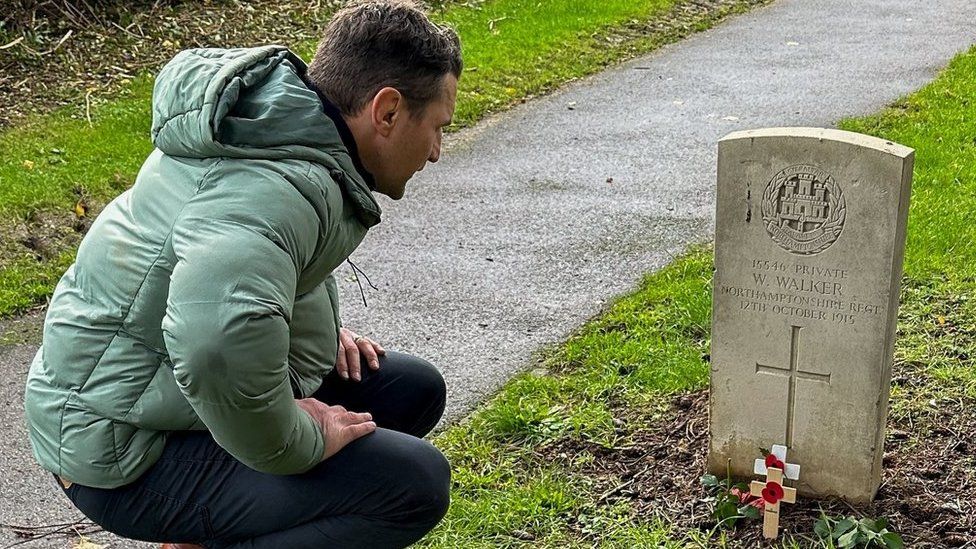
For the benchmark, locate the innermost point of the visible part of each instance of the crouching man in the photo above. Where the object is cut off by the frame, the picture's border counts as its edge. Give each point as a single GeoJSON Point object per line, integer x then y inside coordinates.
{"type": "Point", "coordinates": [194, 385]}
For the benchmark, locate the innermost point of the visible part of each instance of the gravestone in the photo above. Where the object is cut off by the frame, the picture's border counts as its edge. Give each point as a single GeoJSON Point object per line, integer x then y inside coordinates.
{"type": "Point", "coordinates": [809, 242]}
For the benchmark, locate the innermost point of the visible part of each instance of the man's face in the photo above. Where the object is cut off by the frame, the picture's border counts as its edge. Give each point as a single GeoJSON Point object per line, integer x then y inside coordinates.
{"type": "Point", "coordinates": [415, 140]}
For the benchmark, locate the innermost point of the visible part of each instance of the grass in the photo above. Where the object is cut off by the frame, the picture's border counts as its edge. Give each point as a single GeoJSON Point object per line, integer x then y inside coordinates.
{"type": "Point", "coordinates": [513, 49]}
{"type": "Point", "coordinates": [518, 48]}
{"type": "Point", "coordinates": [650, 344]}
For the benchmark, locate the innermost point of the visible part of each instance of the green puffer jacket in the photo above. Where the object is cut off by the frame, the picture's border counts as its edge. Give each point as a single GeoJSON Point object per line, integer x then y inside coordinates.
{"type": "Point", "coordinates": [202, 297]}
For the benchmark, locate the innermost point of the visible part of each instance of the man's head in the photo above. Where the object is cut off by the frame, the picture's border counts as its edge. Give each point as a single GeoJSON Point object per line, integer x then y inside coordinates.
{"type": "Point", "coordinates": [393, 75]}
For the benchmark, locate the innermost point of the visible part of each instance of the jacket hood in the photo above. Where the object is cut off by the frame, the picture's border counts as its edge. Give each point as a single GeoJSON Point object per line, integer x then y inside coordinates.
{"type": "Point", "coordinates": [251, 103]}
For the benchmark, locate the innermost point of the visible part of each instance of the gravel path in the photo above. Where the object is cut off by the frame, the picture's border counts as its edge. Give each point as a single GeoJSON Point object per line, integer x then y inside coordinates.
{"type": "Point", "coordinates": [535, 218]}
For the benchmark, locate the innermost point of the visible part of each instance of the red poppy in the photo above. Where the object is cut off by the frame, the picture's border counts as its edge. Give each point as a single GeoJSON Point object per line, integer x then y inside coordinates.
{"type": "Point", "coordinates": [773, 461]}
{"type": "Point", "coordinates": [773, 492]}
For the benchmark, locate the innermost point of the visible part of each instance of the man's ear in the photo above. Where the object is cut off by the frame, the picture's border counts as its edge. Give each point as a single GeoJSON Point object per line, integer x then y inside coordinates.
{"type": "Point", "coordinates": [386, 109]}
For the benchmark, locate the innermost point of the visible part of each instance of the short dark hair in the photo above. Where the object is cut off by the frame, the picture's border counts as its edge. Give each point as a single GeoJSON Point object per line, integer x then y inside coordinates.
{"type": "Point", "coordinates": [368, 46]}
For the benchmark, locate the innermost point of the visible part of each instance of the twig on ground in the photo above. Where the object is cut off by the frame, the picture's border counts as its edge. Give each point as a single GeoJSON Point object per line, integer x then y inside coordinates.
{"type": "Point", "coordinates": [64, 39]}
{"type": "Point", "coordinates": [122, 72]}
{"type": "Point", "coordinates": [12, 44]}
{"type": "Point", "coordinates": [17, 527]}
{"type": "Point", "coordinates": [34, 533]}
{"type": "Point", "coordinates": [36, 53]}
{"type": "Point", "coordinates": [88, 108]}
{"type": "Point", "coordinates": [618, 488]}
{"type": "Point", "coordinates": [690, 432]}
{"type": "Point", "coordinates": [125, 30]}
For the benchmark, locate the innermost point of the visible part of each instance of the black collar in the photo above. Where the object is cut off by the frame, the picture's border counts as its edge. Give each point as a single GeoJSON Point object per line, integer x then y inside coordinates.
{"type": "Point", "coordinates": [345, 134]}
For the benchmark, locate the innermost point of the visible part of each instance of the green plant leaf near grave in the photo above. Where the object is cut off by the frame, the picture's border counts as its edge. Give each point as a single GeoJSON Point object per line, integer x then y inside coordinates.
{"type": "Point", "coordinates": [892, 540]}
{"type": "Point", "coordinates": [843, 527]}
{"type": "Point", "coordinates": [822, 529]}
{"type": "Point", "coordinates": [709, 482]}
{"type": "Point", "coordinates": [749, 512]}
{"type": "Point", "coordinates": [850, 539]}
{"type": "Point", "coordinates": [730, 501]}
{"type": "Point", "coordinates": [852, 533]}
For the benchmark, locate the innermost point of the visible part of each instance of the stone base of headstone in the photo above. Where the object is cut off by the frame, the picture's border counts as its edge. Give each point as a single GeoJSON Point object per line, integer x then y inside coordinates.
{"type": "Point", "coordinates": [810, 237]}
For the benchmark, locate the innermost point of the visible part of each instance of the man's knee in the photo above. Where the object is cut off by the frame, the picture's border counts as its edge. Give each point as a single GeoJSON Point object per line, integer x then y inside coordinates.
{"type": "Point", "coordinates": [426, 390]}
{"type": "Point", "coordinates": [424, 375]}
{"type": "Point", "coordinates": [429, 484]}
{"type": "Point", "coordinates": [434, 386]}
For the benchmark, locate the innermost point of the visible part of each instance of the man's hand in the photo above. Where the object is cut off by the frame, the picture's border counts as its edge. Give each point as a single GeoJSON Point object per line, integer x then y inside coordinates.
{"type": "Point", "coordinates": [350, 347]}
{"type": "Point", "coordinates": [339, 426]}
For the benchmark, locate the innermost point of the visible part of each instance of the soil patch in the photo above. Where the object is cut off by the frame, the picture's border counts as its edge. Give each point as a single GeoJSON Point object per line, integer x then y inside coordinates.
{"type": "Point", "coordinates": [44, 234]}
{"type": "Point", "coordinates": [51, 65]}
{"type": "Point", "coordinates": [927, 493]}
{"type": "Point", "coordinates": [22, 330]}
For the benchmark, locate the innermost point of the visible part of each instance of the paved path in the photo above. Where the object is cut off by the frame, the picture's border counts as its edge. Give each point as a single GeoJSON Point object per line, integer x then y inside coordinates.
{"type": "Point", "coordinates": [534, 219]}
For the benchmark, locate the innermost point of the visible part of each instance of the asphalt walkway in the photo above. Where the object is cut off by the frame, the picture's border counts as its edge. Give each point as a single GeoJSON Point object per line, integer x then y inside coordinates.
{"type": "Point", "coordinates": [533, 220]}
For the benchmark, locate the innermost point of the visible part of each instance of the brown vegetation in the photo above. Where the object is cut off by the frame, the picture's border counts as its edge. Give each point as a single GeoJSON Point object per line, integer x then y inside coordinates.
{"type": "Point", "coordinates": [927, 490]}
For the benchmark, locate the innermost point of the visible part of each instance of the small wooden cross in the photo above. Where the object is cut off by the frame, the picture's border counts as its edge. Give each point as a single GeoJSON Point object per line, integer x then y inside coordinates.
{"type": "Point", "coordinates": [773, 491]}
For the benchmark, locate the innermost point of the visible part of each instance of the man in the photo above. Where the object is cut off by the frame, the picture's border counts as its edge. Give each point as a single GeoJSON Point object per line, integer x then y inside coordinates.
{"type": "Point", "coordinates": [185, 389]}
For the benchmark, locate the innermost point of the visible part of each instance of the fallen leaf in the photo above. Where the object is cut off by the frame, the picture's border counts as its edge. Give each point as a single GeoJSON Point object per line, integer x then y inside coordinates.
{"type": "Point", "coordinates": [85, 543]}
{"type": "Point", "coordinates": [28, 165]}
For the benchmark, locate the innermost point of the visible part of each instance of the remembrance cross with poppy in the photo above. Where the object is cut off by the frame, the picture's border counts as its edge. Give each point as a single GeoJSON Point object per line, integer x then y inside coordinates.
{"type": "Point", "coordinates": [772, 491]}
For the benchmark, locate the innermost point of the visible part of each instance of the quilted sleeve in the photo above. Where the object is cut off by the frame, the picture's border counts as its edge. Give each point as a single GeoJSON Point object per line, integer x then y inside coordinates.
{"type": "Point", "coordinates": [227, 332]}
{"type": "Point", "coordinates": [314, 338]}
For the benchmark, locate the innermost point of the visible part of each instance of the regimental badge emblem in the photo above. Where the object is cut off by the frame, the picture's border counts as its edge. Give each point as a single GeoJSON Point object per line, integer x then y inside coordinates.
{"type": "Point", "coordinates": [803, 209]}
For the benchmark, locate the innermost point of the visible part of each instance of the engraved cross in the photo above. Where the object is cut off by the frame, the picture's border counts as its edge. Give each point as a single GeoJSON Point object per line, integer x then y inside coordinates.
{"type": "Point", "coordinates": [793, 373]}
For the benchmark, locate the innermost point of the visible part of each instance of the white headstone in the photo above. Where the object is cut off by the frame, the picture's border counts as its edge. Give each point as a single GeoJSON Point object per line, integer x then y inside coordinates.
{"type": "Point", "coordinates": [809, 243]}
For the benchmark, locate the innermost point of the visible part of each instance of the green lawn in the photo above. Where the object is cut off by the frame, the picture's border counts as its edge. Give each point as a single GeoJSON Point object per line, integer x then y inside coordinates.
{"type": "Point", "coordinates": [517, 48]}
{"type": "Point", "coordinates": [513, 49]}
{"type": "Point", "coordinates": [649, 345]}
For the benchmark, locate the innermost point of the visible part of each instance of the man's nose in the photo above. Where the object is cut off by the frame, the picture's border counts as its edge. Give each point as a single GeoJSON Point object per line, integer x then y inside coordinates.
{"type": "Point", "coordinates": [435, 151]}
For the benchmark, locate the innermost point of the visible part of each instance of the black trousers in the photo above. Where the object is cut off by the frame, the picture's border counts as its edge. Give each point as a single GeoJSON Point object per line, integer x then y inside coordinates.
{"type": "Point", "coordinates": [386, 489]}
